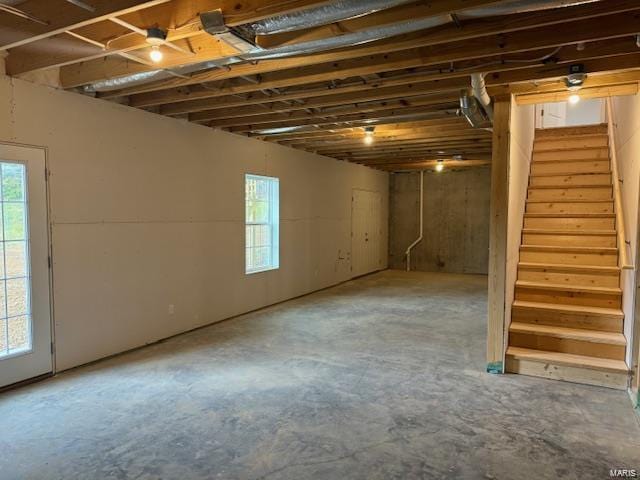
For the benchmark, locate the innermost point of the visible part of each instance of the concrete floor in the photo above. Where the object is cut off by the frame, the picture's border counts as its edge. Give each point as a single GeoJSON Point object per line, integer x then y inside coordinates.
{"type": "Point", "coordinates": [379, 378]}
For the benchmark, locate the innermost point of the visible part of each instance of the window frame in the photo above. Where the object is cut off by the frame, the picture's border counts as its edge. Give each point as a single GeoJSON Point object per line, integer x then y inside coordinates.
{"type": "Point", "coordinates": [273, 222]}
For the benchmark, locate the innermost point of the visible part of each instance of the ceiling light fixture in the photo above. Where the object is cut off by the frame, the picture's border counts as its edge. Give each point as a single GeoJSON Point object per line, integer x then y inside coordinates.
{"type": "Point", "coordinates": [156, 54]}
{"type": "Point", "coordinates": [368, 135]}
{"type": "Point", "coordinates": [155, 38]}
{"type": "Point", "coordinates": [574, 98]}
{"type": "Point", "coordinates": [439, 166]}
{"type": "Point", "coordinates": [576, 76]}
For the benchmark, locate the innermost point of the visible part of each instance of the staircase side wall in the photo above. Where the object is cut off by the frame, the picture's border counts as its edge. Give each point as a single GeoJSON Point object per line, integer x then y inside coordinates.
{"type": "Point", "coordinates": [521, 146]}
{"type": "Point", "coordinates": [626, 126]}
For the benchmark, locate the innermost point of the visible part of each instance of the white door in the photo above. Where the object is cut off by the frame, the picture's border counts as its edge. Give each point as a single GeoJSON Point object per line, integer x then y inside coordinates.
{"type": "Point", "coordinates": [366, 232]}
{"type": "Point", "coordinates": [25, 314]}
{"type": "Point", "coordinates": [551, 115]}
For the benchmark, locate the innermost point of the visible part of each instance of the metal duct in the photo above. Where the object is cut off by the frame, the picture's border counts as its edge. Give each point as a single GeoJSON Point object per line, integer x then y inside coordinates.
{"type": "Point", "coordinates": [349, 39]}
{"type": "Point", "coordinates": [341, 41]}
{"type": "Point", "coordinates": [511, 7]}
{"type": "Point", "coordinates": [480, 92]}
{"type": "Point", "coordinates": [357, 38]}
{"type": "Point", "coordinates": [322, 15]}
{"type": "Point", "coordinates": [472, 110]}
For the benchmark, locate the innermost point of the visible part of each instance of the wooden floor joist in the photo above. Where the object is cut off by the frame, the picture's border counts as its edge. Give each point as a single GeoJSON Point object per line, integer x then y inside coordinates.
{"type": "Point", "coordinates": [322, 99]}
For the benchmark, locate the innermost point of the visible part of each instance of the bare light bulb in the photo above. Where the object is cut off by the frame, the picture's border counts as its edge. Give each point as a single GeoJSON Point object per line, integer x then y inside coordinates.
{"type": "Point", "coordinates": [368, 139]}
{"type": "Point", "coordinates": [574, 98]}
{"type": "Point", "coordinates": [439, 166]}
{"type": "Point", "coordinates": [155, 54]}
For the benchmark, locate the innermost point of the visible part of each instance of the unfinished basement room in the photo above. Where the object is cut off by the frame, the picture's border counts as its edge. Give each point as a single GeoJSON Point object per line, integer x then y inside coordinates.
{"type": "Point", "coordinates": [319, 240]}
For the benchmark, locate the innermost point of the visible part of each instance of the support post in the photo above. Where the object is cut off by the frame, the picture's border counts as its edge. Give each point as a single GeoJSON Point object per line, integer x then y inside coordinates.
{"type": "Point", "coordinates": [3, 62]}
{"type": "Point", "coordinates": [498, 233]}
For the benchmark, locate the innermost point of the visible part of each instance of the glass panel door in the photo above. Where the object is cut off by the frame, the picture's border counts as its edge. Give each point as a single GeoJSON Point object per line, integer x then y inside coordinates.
{"type": "Point", "coordinates": [15, 281]}
{"type": "Point", "coordinates": [25, 319]}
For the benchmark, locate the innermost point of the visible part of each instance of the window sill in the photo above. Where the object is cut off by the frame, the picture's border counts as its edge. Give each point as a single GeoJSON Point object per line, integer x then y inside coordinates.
{"type": "Point", "coordinates": [266, 269]}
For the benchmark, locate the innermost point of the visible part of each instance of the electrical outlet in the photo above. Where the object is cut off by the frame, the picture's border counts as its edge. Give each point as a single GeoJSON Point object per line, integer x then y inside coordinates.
{"type": "Point", "coordinates": [172, 309]}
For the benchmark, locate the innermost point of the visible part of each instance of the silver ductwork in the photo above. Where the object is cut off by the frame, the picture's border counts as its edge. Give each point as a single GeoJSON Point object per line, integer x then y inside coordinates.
{"type": "Point", "coordinates": [510, 7]}
{"type": "Point", "coordinates": [473, 111]}
{"type": "Point", "coordinates": [320, 16]}
{"type": "Point", "coordinates": [350, 39]}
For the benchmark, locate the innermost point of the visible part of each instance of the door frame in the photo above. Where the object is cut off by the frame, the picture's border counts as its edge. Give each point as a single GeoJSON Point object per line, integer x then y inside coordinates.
{"type": "Point", "coordinates": [380, 253]}
{"type": "Point", "coordinates": [49, 253]}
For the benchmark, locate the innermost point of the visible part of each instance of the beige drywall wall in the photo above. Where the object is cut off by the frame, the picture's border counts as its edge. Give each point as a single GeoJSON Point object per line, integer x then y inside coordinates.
{"type": "Point", "coordinates": [522, 132]}
{"type": "Point", "coordinates": [148, 212]}
{"type": "Point", "coordinates": [626, 124]}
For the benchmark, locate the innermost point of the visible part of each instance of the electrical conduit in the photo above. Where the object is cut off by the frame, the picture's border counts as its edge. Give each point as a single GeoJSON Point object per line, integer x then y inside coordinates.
{"type": "Point", "coordinates": [419, 239]}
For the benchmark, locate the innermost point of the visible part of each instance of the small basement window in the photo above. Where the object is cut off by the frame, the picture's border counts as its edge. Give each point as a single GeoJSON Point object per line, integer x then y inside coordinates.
{"type": "Point", "coordinates": [262, 218]}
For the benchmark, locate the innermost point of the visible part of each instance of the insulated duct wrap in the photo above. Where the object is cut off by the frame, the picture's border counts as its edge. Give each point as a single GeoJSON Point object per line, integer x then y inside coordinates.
{"type": "Point", "coordinates": [323, 15]}
{"type": "Point", "coordinates": [511, 7]}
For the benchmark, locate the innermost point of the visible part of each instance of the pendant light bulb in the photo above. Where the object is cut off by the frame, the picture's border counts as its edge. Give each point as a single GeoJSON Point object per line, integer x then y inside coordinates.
{"type": "Point", "coordinates": [574, 98]}
{"type": "Point", "coordinates": [155, 54]}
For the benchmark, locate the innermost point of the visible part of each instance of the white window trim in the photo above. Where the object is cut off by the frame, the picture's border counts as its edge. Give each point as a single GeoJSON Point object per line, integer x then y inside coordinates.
{"type": "Point", "coordinates": [274, 222]}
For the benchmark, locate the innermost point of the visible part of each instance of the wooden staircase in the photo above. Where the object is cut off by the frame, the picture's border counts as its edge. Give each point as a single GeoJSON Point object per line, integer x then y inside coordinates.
{"type": "Point", "coordinates": [566, 319]}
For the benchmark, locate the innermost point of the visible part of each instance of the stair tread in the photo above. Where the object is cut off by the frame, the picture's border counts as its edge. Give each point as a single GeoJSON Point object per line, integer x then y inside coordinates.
{"type": "Point", "coordinates": [567, 308]}
{"type": "Point", "coordinates": [587, 159]}
{"type": "Point", "coordinates": [568, 359]}
{"type": "Point", "coordinates": [571, 128]}
{"type": "Point", "coordinates": [570, 288]}
{"type": "Point", "coordinates": [569, 148]}
{"type": "Point", "coordinates": [568, 232]}
{"type": "Point", "coordinates": [594, 336]}
{"type": "Point", "coordinates": [573, 136]}
{"type": "Point", "coordinates": [576, 200]}
{"type": "Point", "coordinates": [553, 248]}
{"type": "Point", "coordinates": [570, 215]}
{"type": "Point", "coordinates": [575, 174]}
{"type": "Point", "coordinates": [570, 268]}
{"type": "Point", "coordinates": [563, 185]}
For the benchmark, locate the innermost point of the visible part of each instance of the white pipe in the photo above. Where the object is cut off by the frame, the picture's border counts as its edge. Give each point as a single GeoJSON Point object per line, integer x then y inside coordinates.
{"type": "Point", "coordinates": [419, 239]}
{"type": "Point", "coordinates": [480, 92]}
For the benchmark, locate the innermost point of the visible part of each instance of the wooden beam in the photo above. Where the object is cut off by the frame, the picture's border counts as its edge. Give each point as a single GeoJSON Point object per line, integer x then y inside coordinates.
{"type": "Point", "coordinates": [380, 133]}
{"type": "Point", "coordinates": [357, 119]}
{"type": "Point", "coordinates": [417, 105]}
{"type": "Point", "coordinates": [429, 164]}
{"type": "Point", "coordinates": [325, 104]}
{"type": "Point", "coordinates": [61, 16]}
{"type": "Point", "coordinates": [403, 13]}
{"type": "Point", "coordinates": [449, 146]}
{"type": "Point", "coordinates": [455, 121]}
{"type": "Point", "coordinates": [455, 80]}
{"type": "Point", "coordinates": [610, 70]}
{"type": "Point", "coordinates": [179, 17]}
{"type": "Point", "coordinates": [499, 209]}
{"type": "Point", "coordinates": [417, 140]}
{"type": "Point", "coordinates": [619, 25]}
{"type": "Point", "coordinates": [391, 159]}
{"type": "Point", "coordinates": [231, 100]}
{"type": "Point", "coordinates": [585, 93]}
{"type": "Point", "coordinates": [66, 51]}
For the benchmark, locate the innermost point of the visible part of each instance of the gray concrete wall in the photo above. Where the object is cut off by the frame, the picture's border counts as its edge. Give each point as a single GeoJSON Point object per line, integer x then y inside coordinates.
{"type": "Point", "coordinates": [147, 219]}
{"type": "Point", "coordinates": [456, 220]}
